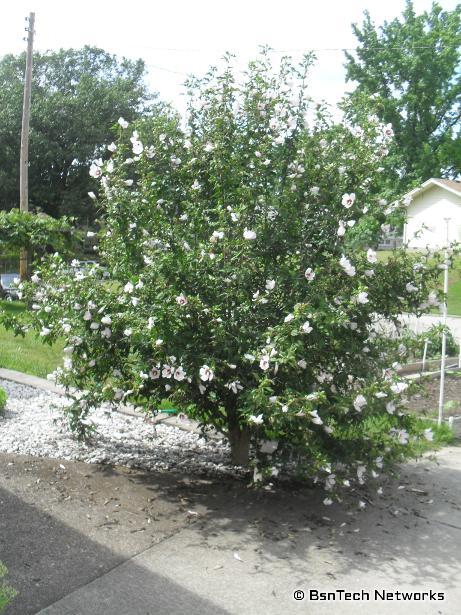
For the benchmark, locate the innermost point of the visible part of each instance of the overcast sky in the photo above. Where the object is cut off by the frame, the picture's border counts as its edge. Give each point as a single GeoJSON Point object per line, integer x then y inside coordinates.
{"type": "Point", "coordinates": [177, 37]}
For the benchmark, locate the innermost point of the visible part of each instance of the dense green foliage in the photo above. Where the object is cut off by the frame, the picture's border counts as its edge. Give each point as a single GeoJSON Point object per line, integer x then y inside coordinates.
{"type": "Point", "coordinates": [77, 96]}
{"type": "Point", "coordinates": [407, 73]}
{"type": "Point", "coordinates": [416, 342]}
{"type": "Point", "coordinates": [227, 282]}
{"type": "Point", "coordinates": [35, 232]}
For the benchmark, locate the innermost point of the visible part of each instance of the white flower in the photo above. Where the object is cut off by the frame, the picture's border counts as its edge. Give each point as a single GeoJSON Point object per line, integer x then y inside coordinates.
{"type": "Point", "coordinates": [87, 316]}
{"type": "Point", "coordinates": [155, 373]}
{"type": "Point", "coordinates": [167, 371]}
{"type": "Point", "coordinates": [209, 147]}
{"type": "Point", "coordinates": [150, 322]}
{"type": "Point", "coordinates": [270, 284]}
{"type": "Point", "coordinates": [348, 200]}
{"type": "Point", "coordinates": [112, 147]}
{"type": "Point", "coordinates": [181, 299]}
{"type": "Point", "coordinates": [128, 182]}
{"type": "Point", "coordinates": [106, 320]}
{"type": "Point", "coordinates": [45, 331]}
{"type": "Point", "coordinates": [235, 386]}
{"type": "Point", "coordinates": [428, 434]}
{"type": "Point", "coordinates": [302, 364]}
{"type": "Point", "coordinates": [341, 229]}
{"type": "Point", "coordinates": [138, 148]}
{"type": "Point", "coordinates": [411, 288]}
{"type": "Point", "coordinates": [216, 235]}
{"type": "Point", "coordinates": [390, 407]}
{"type": "Point", "coordinates": [128, 288]}
{"type": "Point", "coordinates": [402, 436]}
{"type": "Point", "coordinates": [328, 501]}
{"type": "Point", "coordinates": [90, 234]}
{"type": "Point", "coordinates": [206, 373]}
{"type": "Point", "coordinates": [369, 273]}
{"type": "Point", "coordinates": [371, 256]}
{"type": "Point", "coordinates": [179, 373]}
{"type": "Point", "coordinates": [95, 171]}
{"type": "Point", "coordinates": [257, 420]}
{"type": "Point", "coordinates": [106, 332]}
{"type": "Point", "coordinates": [123, 123]}
{"type": "Point", "coordinates": [288, 318]}
{"type": "Point", "coordinates": [94, 326]}
{"type": "Point", "coordinates": [314, 190]}
{"type": "Point", "coordinates": [202, 389]}
{"type": "Point", "coordinates": [399, 387]}
{"type": "Point", "coordinates": [264, 362]}
{"type": "Point", "coordinates": [309, 274]}
{"type": "Point", "coordinates": [380, 394]}
{"type": "Point", "coordinates": [249, 357]}
{"type": "Point", "coordinates": [362, 298]}
{"type": "Point", "coordinates": [92, 195]}
{"type": "Point", "coordinates": [196, 185]}
{"type": "Point", "coordinates": [359, 402]}
{"type": "Point", "coordinates": [234, 217]}
{"type": "Point", "coordinates": [347, 266]}
{"type": "Point", "coordinates": [128, 331]}
{"type": "Point", "coordinates": [315, 417]}
{"type": "Point", "coordinates": [247, 234]}
{"type": "Point", "coordinates": [388, 130]}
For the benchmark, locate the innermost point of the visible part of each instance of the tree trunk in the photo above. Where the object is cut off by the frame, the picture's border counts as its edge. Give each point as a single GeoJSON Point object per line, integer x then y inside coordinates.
{"type": "Point", "coordinates": [239, 438]}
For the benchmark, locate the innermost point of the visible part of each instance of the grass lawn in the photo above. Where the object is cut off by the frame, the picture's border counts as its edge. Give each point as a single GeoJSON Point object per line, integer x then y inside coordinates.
{"type": "Point", "coordinates": [28, 354]}
{"type": "Point", "coordinates": [454, 284]}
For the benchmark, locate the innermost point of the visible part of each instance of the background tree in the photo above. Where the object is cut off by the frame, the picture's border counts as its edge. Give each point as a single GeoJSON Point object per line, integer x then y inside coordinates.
{"type": "Point", "coordinates": [77, 95]}
{"type": "Point", "coordinates": [226, 283]}
{"type": "Point", "coordinates": [408, 74]}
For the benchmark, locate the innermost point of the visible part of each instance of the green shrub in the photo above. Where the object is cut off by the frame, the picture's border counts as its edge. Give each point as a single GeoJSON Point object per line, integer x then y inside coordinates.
{"type": "Point", "coordinates": [227, 285]}
{"type": "Point", "coordinates": [7, 593]}
{"type": "Point", "coordinates": [2, 400]}
{"type": "Point", "coordinates": [415, 342]}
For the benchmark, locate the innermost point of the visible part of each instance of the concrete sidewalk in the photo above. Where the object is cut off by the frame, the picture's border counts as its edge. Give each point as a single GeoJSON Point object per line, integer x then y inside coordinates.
{"type": "Point", "coordinates": [248, 557]}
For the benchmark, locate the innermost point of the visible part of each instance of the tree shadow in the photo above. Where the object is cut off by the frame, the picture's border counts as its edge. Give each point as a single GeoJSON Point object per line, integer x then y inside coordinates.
{"type": "Point", "coordinates": [413, 530]}
{"type": "Point", "coordinates": [47, 560]}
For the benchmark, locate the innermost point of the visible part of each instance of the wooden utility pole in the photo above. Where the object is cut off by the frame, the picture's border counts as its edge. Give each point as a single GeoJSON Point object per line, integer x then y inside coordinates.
{"type": "Point", "coordinates": [24, 157]}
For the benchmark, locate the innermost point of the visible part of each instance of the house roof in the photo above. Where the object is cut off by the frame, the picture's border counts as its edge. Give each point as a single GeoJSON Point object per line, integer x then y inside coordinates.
{"type": "Point", "coordinates": [448, 184]}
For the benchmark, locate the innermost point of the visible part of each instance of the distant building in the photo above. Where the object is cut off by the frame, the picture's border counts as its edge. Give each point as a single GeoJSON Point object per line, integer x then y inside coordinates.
{"type": "Point", "coordinates": [433, 210]}
{"type": "Point", "coordinates": [390, 240]}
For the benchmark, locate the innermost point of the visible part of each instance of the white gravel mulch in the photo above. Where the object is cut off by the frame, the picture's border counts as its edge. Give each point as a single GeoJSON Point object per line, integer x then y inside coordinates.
{"type": "Point", "coordinates": [34, 424]}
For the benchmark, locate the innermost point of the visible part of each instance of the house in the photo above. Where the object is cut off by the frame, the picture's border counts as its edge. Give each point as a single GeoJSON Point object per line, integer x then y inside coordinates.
{"type": "Point", "coordinates": [433, 214]}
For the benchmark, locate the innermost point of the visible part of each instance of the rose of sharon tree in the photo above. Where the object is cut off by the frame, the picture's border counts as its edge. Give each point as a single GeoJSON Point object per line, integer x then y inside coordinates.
{"type": "Point", "coordinates": [227, 286]}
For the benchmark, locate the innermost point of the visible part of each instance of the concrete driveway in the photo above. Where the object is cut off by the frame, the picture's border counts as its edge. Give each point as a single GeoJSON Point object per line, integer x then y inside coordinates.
{"type": "Point", "coordinates": [220, 548]}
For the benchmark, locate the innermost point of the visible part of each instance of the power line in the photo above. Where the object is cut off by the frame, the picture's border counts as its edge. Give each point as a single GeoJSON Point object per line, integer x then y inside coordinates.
{"type": "Point", "coordinates": [303, 51]}
{"type": "Point", "coordinates": [298, 50]}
